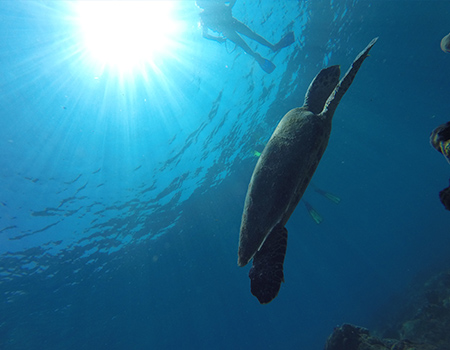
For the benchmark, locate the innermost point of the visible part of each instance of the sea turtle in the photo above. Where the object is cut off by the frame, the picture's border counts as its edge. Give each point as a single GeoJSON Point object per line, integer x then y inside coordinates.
{"type": "Point", "coordinates": [281, 175]}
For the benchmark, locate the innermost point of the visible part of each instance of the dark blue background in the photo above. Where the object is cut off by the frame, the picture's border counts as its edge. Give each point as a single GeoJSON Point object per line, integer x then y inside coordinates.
{"type": "Point", "coordinates": [121, 197]}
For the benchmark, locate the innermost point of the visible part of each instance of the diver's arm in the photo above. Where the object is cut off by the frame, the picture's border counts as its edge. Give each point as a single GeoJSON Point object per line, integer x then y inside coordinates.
{"type": "Point", "coordinates": [206, 35]}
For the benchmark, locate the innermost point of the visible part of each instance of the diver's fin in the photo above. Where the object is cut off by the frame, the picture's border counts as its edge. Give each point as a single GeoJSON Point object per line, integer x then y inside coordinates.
{"type": "Point", "coordinates": [266, 274]}
{"type": "Point", "coordinates": [328, 195]}
{"type": "Point", "coordinates": [285, 41]}
{"type": "Point", "coordinates": [266, 65]}
{"type": "Point", "coordinates": [313, 212]}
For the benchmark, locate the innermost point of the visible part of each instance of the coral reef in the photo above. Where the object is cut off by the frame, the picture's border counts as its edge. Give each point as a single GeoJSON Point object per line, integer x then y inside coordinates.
{"type": "Point", "coordinates": [425, 325]}
{"type": "Point", "coordinates": [349, 337]}
{"type": "Point", "coordinates": [430, 314]}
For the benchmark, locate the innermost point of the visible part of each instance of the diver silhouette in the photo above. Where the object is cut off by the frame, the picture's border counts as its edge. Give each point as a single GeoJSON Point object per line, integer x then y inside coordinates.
{"type": "Point", "coordinates": [216, 16]}
{"type": "Point", "coordinates": [440, 140]}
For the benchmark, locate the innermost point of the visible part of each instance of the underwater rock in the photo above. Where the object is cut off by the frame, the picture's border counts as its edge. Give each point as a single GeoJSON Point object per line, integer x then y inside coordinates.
{"type": "Point", "coordinates": [445, 43]}
{"type": "Point", "coordinates": [349, 337]}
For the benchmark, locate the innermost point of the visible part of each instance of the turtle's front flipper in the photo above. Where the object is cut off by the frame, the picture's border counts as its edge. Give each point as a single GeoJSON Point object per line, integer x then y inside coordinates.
{"type": "Point", "coordinates": [346, 81]}
{"type": "Point", "coordinates": [266, 273]}
{"type": "Point", "coordinates": [320, 89]}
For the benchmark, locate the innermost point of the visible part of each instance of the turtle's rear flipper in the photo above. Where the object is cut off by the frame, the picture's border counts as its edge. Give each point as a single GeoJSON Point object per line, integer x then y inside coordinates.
{"type": "Point", "coordinates": [266, 273]}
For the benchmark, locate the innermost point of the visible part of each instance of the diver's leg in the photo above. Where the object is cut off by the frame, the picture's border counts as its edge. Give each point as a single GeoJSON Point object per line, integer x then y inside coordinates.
{"type": "Point", "coordinates": [265, 64]}
{"type": "Point", "coordinates": [285, 41]}
{"type": "Point", "coordinates": [236, 38]}
{"type": "Point", "coordinates": [243, 29]}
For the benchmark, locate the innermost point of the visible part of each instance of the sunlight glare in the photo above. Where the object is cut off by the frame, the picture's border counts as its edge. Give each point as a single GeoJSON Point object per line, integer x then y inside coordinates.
{"type": "Point", "coordinates": [126, 34]}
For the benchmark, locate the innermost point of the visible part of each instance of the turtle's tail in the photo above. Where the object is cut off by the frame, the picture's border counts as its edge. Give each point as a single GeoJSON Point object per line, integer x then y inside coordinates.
{"type": "Point", "coordinates": [346, 81]}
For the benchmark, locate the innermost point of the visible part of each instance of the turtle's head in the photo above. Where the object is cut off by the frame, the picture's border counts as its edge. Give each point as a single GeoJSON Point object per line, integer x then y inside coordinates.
{"type": "Point", "coordinates": [320, 89]}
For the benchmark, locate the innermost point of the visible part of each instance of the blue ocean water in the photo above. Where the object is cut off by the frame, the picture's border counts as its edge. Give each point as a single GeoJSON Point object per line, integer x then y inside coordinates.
{"type": "Point", "coordinates": [122, 195]}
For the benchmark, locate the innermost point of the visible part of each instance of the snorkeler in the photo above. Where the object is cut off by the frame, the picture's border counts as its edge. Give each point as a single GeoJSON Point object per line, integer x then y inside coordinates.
{"type": "Point", "coordinates": [440, 140]}
{"type": "Point", "coordinates": [216, 16]}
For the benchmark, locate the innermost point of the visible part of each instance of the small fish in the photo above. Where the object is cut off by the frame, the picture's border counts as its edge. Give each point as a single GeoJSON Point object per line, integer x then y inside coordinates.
{"type": "Point", "coordinates": [71, 182]}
